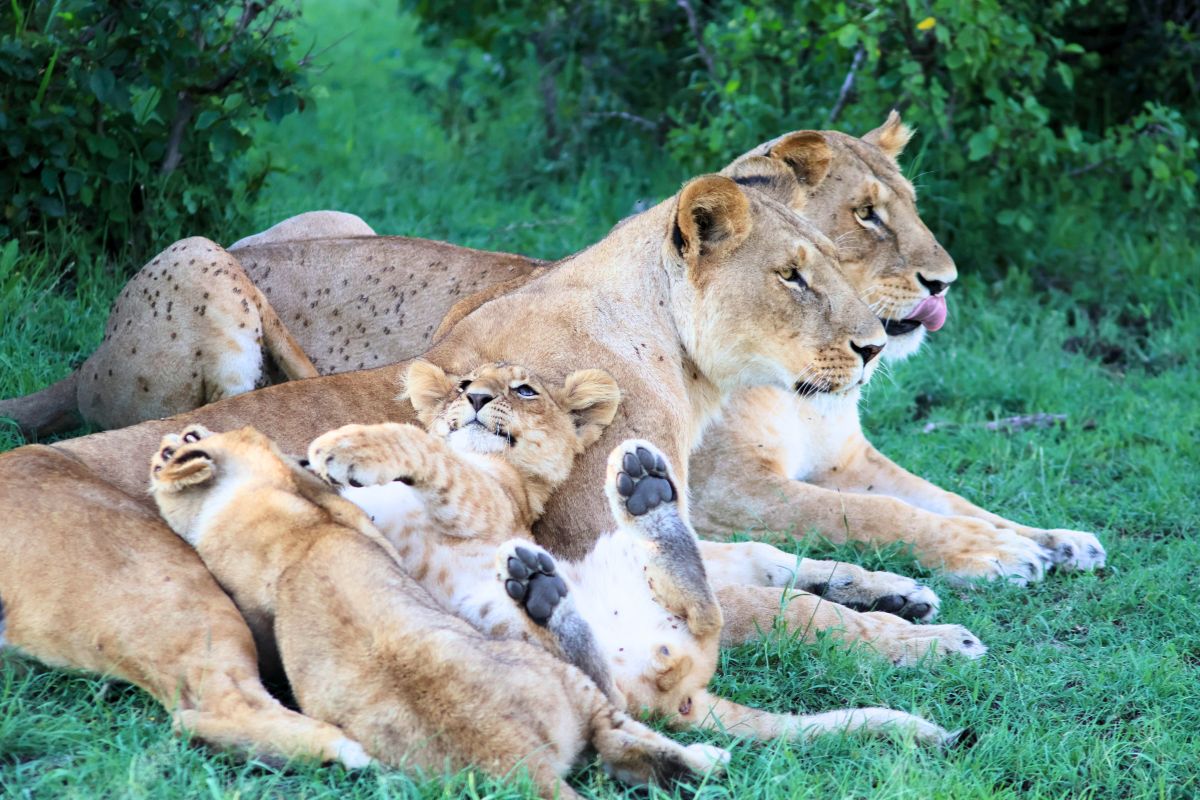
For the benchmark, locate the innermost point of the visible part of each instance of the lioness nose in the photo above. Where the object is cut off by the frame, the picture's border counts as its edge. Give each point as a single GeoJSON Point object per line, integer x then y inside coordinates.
{"type": "Point", "coordinates": [479, 399]}
{"type": "Point", "coordinates": [867, 351]}
{"type": "Point", "coordinates": [934, 287]}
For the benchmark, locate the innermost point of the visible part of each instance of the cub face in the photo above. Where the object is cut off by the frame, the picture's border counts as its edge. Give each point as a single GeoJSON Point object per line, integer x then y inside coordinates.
{"type": "Point", "coordinates": [884, 248]}
{"type": "Point", "coordinates": [507, 411]}
{"type": "Point", "coordinates": [764, 300]}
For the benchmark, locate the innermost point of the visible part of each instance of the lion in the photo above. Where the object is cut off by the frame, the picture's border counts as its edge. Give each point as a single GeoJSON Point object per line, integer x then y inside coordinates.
{"type": "Point", "coordinates": [714, 289]}
{"type": "Point", "coordinates": [352, 300]}
{"type": "Point", "coordinates": [781, 461]}
{"type": "Point", "coordinates": [637, 614]}
{"type": "Point", "coordinates": [366, 649]}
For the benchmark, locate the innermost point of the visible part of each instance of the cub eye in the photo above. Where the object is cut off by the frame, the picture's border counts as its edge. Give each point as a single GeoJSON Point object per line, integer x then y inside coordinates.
{"type": "Point", "coordinates": [525, 390]}
{"type": "Point", "coordinates": [865, 213]}
{"type": "Point", "coordinates": [795, 278]}
{"type": "Point", "coordinates": [462, 385]}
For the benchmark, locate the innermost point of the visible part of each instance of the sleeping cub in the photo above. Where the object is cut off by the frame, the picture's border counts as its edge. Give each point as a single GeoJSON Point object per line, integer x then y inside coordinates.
{"type": "Point", "coordinates": [365, 648]}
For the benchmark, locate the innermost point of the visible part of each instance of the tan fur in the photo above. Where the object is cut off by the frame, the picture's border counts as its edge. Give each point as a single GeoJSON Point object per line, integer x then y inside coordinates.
{"type": "Point", "coordinates": [637, 614]}
{"type": "Point", "coordinates": [781, 463]}
{"type": "Point", "coordinates": [365, 648]}
{"type": "Point", "coordinates": [627, 304]}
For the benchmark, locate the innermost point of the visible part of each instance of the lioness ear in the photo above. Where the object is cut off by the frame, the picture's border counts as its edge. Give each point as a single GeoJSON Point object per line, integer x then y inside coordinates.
{"type": "Point", "coordinates": [807, 154]}
{"type": "Point", "coordinates": [769, 176]}
{"type": "Point", "coordinates": [711, 216]}
{"type": "Point", "coordinates": [891, 136]}
{"type": "Point", "coordinates": [426, 386]}
{"type": "Point", "coordinates": [591, 396]}
{"type": "Point", "coordinates": [190, 469]}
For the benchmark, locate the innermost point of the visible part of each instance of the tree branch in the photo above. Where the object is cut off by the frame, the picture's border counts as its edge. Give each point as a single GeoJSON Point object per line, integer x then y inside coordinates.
{"type": "Point", "coordinates": [179, 125]}
{"type": "Point", "coordinates": [698, 35]}
{"type": "Point", "coordinates": [847, 85]}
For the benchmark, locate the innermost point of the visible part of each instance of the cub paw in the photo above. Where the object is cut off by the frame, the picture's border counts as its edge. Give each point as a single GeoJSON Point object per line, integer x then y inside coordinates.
{"type": "Point", "coordinates": [173, 441]}
{"type": "Point", "coordinates": [1074, 550]}
{"type": "Point", "coordinates": [362, 455]}
{"type": "Point", "coordinates": [704, 758]}
{"type": "Point", "coordinates": [639, 479]}
{"type": "Point", "coordinates": [531, 579]}
{"type": "Point", "coordinates": [905, 644]}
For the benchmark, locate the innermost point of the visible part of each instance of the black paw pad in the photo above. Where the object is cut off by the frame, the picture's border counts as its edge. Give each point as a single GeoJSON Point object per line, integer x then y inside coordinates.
{"type": "Point", "coordinates": [643, 482]}
{"type": "Point", "coordinates": [891, 604]}
{"type": "Point", "coordinates": [534, 583]}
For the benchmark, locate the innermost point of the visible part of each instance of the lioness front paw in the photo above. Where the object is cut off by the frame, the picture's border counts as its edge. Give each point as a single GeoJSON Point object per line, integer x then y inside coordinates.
{"type": "Point", "coordinates": [863, 590]}
{"type": "Point", "coordinates": [905, 644]}
{"type": "Point", "coordinates": [365, 455]}
{"type": "Point", "coordinates": [531, 579]}
{"type": "Point", "coordinates": [704, 758]}
{"type": "Point", "coordinates": [1074, 550]}
{"type": "Point", "coordinates": [977, 550]}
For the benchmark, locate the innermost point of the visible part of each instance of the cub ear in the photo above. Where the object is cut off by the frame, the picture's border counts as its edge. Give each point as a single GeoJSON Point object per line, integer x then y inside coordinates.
{"type": "Point", "coordinates": [427, 386]}
{"type": "Point", "coordinates": [891, 136]}
{"type": "Point", "coordinates": [712, 216]}
{"type": "Point", "coordinates": [807, 154]}
{"type": "Point", "coordinates": [769, 176]}
{"type": "Point", "coordinates": [190, 468]}
{"type": "Point", "coordinates": [591, 396]}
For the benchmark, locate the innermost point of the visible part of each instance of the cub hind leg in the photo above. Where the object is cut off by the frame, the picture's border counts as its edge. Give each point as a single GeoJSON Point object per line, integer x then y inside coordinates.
{"type": "Point", "coordinates": [643, 496]}
{"type": "Point", "coordinates": [529, 575]}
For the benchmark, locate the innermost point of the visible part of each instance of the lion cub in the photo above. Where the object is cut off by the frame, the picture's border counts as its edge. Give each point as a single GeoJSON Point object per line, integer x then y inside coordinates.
{"type": "Point", "coordinates": [458, 502]}
{"type": "Point", "coordinates": [365, 648]}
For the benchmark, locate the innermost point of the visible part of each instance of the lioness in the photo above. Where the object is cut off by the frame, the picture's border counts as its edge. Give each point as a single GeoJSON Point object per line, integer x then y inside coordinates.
{"type": "Point", "coordinates": [365, 648]}
{"type": "Point", "coordinates": [351, 300]}
{"type": "Point", "coordinates": [637, 614]}
{"type": "Point", "coordinates": [716, 288]}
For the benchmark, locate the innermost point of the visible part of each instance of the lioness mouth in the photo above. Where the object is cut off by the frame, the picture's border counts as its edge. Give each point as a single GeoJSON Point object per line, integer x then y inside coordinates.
{"type": "Point", "coordinates": [899, 327]}
{"type": "Point", "coordinates": [808, 389]}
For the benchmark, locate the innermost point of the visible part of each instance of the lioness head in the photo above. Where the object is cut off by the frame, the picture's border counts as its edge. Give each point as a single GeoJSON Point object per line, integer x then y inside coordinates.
{"type": "Point", "coordinates": [758, 297]}
{"type": "Point", "coordinates": [506, 410]}
{"type": "Point", "coordinates": [852, 190]}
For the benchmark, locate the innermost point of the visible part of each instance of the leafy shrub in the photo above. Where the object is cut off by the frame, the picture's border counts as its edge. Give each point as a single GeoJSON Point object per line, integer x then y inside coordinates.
{"type": "Point", "coordinates": [129, 119]}
{"type": "Point", "coordinates": [1024, 105]}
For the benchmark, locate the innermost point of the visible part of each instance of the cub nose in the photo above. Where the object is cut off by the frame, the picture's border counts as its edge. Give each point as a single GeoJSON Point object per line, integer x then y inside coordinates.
{"type": "Point", "coordinates": [479, 399]}
{"type": "Point", "coordinates": [867, 351]}
{"type": "Point", "coordinates": [934, 287]}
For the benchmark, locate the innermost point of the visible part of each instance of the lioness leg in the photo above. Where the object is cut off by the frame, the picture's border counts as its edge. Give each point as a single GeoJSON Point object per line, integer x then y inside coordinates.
{"type": "Point", "coordinates": [719, 714]}
{"type": "Point", "coordinates": [760, 564]}
{"type": "Point", "coordinates": [93, 580]}
{"type": "Point", "coordinates": [752, 610]}
{"type": "Point", "coordinates": [739, 481]}
{"type": "Point", "coordinates": [190, 328]}
{"type": "Point", "coordinates": [864, 469]}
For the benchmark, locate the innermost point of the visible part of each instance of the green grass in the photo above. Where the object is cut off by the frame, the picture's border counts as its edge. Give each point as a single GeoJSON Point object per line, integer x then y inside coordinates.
{"type": "Point", "coordinates": [1092, 684]}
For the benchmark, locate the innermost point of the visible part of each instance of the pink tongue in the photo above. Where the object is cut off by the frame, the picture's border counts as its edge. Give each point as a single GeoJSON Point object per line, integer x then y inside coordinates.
{"type": "Point", "coordinates": [931, 313]}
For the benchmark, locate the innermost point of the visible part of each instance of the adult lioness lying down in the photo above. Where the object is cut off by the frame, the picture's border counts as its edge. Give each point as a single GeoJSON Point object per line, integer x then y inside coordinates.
{"type": "Point", "coordinates": [321, 284]}
{"type": "Point", "coordinates": [716, 288]}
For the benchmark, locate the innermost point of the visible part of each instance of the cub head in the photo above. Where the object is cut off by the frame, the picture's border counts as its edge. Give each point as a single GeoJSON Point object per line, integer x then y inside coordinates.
{"type": "Point", "coordinates": [189, 464]}
{"type": "Point", "coordinates": [507, 411]}
{"type": "Point", "coordinates": [758, 297]}
{"type": "Point", "coordinates": [851, 189]}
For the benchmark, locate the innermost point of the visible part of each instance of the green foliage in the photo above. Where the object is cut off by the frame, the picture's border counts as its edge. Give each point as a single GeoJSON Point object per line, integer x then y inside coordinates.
{"type": "Point", "coordinates": [1024, 105]}
{"type": "Point", "coordinates": [130, 119]}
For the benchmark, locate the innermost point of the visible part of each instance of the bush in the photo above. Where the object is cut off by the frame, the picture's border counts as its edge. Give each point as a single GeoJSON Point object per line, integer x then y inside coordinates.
{"type": "Point", "coordinates": [127, 121]}
{"type": "Point", "coordinates": [1023, 105]}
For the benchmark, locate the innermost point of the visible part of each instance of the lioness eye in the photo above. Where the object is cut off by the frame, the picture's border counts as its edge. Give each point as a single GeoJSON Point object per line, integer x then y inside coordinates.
{"type": "Point", "coordinates": [462, 385]}
{"type": "Point", "coordinates": [795, 278]}
{"type": "Point", "coordinates": [865, 212]}
{"type": "Point", "coordinates": [525, 390]}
